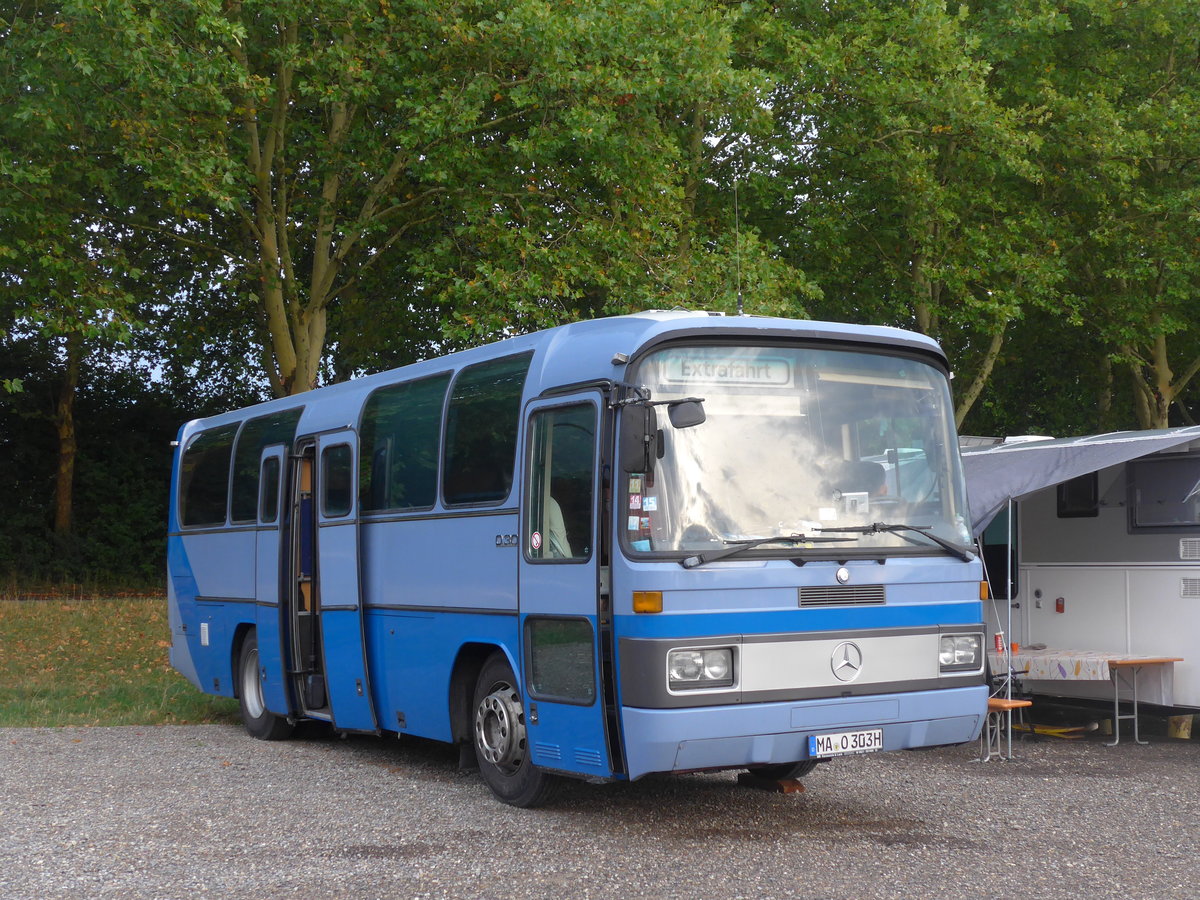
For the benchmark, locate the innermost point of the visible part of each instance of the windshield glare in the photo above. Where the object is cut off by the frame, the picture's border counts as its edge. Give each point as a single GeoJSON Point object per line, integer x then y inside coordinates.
{"type": "Point", "coordinates": [797, 440]}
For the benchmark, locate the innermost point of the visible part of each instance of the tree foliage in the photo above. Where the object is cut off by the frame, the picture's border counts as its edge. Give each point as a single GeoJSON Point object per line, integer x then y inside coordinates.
{"type": "Point", "coordinates": [1126, 154]}
{"type": "Point", "coordinates": [904, 177]}
{"type": "Point", "coordinates": [250, 197]}
{"type": "Point", "coordinates": [509, 165]}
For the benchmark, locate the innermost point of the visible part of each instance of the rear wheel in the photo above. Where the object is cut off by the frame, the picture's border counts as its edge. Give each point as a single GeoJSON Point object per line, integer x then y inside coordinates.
{"type": "Point", "coordinates": [259, 721]}
{"type": "Point", "coordinates": [784, 771]}
{"type": "Point", "coordinates": [501, 741]}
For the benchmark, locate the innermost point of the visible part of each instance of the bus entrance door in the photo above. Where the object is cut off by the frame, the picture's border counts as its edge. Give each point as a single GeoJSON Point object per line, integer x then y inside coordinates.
{"type": "Point", "coordinates": [268, 557]}
{"type": "Point", "coordinates": [559, 589]}
{"type": "Point", "coordinates": [343, 641]}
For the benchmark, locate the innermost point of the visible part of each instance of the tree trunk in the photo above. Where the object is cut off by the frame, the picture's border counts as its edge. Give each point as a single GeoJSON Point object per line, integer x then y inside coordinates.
{"type": "Point", "coordinates": [1164, 389]}
{"type": "Point", "coordinates": [1155, 386]}
{"type": "Point", "coordinates": [1104, 400]}
{"type": "Point", "coordinates": [1141, 397]}
{"type": "Point", "coordinates": [64, 422]}
{"type": "Point", "coordinates": [691, 180]}
{"type": "Point", "coordinates": [981, 377]}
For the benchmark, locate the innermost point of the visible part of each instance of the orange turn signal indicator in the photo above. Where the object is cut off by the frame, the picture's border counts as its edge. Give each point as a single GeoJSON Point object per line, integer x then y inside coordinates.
{"type": "Point", "coordinates": [647, 601]}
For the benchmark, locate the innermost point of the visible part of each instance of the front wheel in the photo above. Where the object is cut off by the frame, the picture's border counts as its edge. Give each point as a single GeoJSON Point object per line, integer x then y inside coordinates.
{"type": "Point", "coordinates": [259, 721]}
{"type": "Point", "coordinates": [501, 741]}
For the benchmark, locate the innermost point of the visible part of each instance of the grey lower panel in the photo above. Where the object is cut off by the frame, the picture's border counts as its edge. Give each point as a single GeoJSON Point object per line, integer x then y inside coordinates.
{"type": "Point", "coordinates": [795, 667]}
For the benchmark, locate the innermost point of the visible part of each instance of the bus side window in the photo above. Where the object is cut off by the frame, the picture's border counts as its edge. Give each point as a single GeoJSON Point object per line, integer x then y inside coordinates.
{"type": "Point", "coordinates": [268, 501]}
{"type": "Point", "coordinates": [337, 470]}
{"type": "Point", "coordinates": [481, 431]}
{"type": "Point", "coordinates": [373, 493]}
{"type": "Point", "coordinates": [400, 432]}
{"type": "Point", "coordinates": [561, 470]}
{"type": "Point", "coordinates": [204, 477]}
{"type": "Point", "coordinates": [257, 433]}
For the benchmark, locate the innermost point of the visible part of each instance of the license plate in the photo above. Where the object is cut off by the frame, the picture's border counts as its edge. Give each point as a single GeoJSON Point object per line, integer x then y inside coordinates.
{"type": "Point", "coordinates": [845, 743]}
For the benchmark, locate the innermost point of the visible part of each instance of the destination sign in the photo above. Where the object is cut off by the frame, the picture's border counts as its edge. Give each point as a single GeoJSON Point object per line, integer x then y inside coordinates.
{"type": "Point", "coordinates": [698, 367]}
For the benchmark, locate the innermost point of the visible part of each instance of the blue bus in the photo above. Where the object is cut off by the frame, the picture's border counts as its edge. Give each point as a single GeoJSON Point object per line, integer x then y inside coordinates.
{"type": "Point", "coordinates": [663, 542]}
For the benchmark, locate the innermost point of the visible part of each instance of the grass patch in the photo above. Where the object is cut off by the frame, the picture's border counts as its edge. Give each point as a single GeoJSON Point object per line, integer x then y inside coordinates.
{"type": "Point", "coordinates": [14, 588]}
{"type": "Point", "coordinates": [95, 662]}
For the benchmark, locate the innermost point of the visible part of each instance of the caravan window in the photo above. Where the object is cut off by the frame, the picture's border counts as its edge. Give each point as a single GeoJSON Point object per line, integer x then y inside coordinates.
{"type": "Point", "coordinates": [1164, 493]}
{"type": "Point", "coordinates": [1079, 498]}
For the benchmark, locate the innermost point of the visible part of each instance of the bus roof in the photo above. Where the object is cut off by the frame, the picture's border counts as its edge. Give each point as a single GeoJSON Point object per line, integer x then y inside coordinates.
{"type": "Point", "coordinates": [571, 354]}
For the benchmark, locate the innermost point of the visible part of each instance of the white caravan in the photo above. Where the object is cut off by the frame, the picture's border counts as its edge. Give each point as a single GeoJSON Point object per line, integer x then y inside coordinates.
{"type": "Point", "coordinates": [1105, 547]}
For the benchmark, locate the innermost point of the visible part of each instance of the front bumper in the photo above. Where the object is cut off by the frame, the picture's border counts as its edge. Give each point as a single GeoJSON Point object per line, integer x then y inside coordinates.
{"type": "Point", "coordinates": [730, 737]}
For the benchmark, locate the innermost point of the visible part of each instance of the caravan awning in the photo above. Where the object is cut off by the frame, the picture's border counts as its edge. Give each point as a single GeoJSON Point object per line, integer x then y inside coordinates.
{"type": "Point", "coordinates": [1004, 472]}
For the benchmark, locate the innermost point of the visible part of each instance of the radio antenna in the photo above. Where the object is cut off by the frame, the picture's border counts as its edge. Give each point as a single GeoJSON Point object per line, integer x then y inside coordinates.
{"type": "Point", "coordinates": [737, 244]}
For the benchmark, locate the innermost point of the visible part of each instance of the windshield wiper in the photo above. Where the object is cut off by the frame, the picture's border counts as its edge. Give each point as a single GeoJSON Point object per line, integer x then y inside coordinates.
{"type": "Point", "coordinates": [741, 546]}
{"type": "Point", "coordinates": [923, 530]}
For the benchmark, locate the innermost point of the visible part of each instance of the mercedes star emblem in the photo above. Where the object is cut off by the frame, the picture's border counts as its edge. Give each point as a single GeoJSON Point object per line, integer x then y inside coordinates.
{"type": "Point", "coordinates": [847, 661]}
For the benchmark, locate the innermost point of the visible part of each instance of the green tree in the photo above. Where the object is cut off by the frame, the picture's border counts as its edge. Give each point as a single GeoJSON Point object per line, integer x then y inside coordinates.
{"type": "Point", "coordinates": [1116, 88]}
{"type": "Point", "coordinates": [1138, 263]}
{"type": "Point", "coordinates": [905, 178]}
{"type": "Point", "coordinates": [619, 199]}
{"type": "Point", "coordinates": [63, 274]}
{"type": "Point", "coordinates": [507, 165]}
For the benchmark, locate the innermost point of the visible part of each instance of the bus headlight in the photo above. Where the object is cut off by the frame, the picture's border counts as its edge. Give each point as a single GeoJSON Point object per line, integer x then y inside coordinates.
{"type": "Point", "coordinates": [961, 652]}
{"type": "Point", "coordinates": [708, 668]}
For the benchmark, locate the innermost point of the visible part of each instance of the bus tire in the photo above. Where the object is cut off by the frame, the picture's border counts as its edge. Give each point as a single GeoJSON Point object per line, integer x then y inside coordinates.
{"type": "Point", "coordinates": [501, 742]}
{"type": "Point", "coordinates": [259, 721]}
{"type": "Point", "coordinates": [784, 771]}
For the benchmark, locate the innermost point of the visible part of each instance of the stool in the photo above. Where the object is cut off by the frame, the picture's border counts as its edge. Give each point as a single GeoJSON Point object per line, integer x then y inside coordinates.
{"type": "Point", "coordinates": [998, 723]}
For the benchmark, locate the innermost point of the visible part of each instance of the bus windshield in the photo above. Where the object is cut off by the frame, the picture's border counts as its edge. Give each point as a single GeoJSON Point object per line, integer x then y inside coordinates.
{"type": "Point", "coordinates": [798, 443]}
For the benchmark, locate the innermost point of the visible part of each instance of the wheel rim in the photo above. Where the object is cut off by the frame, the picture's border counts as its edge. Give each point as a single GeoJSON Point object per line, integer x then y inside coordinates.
{"type": "Point", "coordinates": [251, 685]}
{"type": "Point", "coordinates": [500, 729]}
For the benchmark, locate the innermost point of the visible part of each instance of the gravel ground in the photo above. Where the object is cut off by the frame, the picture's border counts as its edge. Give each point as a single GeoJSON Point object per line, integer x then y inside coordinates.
{"type": "Point", "coordinates": [198, 812]}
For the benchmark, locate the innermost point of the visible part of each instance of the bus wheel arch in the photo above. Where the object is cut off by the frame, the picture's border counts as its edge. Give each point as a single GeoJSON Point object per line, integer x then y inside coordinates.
{"type": "Point", "coordinates": [463, 675]}
{"type": "Point", "coordinates": [259, 721]}
{"type": "Point", "coordinates": [235, 656]}
{"type": "Point", "coordinates": [500, 739]}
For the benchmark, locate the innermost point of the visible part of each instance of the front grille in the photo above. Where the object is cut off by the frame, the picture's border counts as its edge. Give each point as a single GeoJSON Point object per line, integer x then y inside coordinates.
{"type": "Point", "coordinates": [844, 595]}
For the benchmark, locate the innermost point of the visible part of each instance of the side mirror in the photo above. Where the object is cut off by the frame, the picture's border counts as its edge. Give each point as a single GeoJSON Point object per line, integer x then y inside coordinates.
{"type": "Point", "coordinates": [639, 438]}
{"type": "Point", "coordinates": [686, 413]}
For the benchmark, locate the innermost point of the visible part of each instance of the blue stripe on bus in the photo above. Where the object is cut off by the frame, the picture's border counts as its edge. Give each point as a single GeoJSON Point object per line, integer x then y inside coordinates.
{"type": "Point", "coordinates": [691, 624]}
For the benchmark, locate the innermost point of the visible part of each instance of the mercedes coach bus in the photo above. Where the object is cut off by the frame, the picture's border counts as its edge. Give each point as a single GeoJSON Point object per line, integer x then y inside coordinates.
{"type": "Point", "coordinates": [666, 542]}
